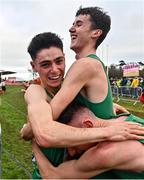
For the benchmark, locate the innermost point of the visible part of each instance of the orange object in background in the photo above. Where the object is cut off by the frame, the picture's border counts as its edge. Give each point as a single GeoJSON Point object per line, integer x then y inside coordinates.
{"type": "Point", "coordinates": [37, 81]}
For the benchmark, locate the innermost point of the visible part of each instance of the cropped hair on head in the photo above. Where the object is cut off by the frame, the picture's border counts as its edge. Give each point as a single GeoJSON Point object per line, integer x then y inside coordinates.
{"type": "Point", "coordinates": [42, 41]}
{"type": "Point", "coordinates": [99, 20]}
{"type": "Point", "coordinates": [66, 116]}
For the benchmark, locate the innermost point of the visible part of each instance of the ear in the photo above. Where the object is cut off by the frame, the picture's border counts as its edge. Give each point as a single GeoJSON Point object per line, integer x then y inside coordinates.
{"type": "Point", "coordinates": [33, 66]}
{"type": "Point", "coordinates": [87, 123]}
{"type": "Point", "coordinates": [97, 33]}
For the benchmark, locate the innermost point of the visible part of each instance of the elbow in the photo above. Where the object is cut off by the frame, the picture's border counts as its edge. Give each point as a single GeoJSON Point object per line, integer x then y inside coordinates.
{"type": "Point", "coordinates": [45, 140]}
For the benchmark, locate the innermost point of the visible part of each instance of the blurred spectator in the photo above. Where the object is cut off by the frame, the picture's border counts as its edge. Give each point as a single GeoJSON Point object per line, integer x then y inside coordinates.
{"type": "Point", "coordinates": [118, 83]}
{"type": "Point", "coordinates": [124, 81]}
{"type": "Point", "coordinates": [128, 82]}
{"type": "Point", "coordinates": [3, 86]}
{"type": "Point", "coordinates": [141, 98]}
{"type": "Point", "coordinates": [141, 83]}
{"type": "Point", "coordinates": [135, 84]}
{"type": "Point", "coordinates": [25, 85]}
{"type": "Point", "coordinates": [123, 84]}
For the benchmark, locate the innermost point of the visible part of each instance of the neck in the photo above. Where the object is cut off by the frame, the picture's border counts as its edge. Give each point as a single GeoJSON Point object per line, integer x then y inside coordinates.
{"type": "Point", "coordinates": [51, 90]}
{"type": "Point", "coordinates": [85, 52]}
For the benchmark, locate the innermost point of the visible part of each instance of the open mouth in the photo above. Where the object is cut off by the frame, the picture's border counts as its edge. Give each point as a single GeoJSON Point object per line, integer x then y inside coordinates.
{"type": "Point", "coordinates": [54, 77]}
{"type": "Point", "coordinates": [73, 37]}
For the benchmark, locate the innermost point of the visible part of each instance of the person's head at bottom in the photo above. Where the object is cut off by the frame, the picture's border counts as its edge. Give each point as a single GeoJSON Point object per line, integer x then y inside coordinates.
{"type": "Point", "coordinates": [79, 116]}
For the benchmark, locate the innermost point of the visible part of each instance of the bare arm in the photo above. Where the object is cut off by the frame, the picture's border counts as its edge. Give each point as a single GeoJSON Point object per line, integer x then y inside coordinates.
{"type": "Point", "coordinates": [49, 133]}
{"type": "Point", "coordinates": [94, 161]}
{"type": "Point", "coordinates": [72, 169]}
{"type": "Point", "coordinates": [78, 75]}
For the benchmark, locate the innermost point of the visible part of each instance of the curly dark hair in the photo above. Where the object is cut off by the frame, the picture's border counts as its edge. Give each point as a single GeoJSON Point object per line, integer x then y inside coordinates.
{"type": "Point", "coordinates": [99, 19]}
{"type": "Point", "coordinates": [42, 41]}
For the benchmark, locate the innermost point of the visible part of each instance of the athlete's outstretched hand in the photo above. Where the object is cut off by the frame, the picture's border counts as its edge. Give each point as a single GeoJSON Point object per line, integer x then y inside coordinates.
{"type": "Point", "coordinates": [122, 131]}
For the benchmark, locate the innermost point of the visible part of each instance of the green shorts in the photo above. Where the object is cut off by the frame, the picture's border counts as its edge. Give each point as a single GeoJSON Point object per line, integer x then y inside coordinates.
{"type": "Point", "coordinates": [136, 119]}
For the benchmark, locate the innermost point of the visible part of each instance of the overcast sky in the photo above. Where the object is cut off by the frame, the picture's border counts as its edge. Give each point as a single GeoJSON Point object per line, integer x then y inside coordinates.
{"type": "Point", "coordinates": [20, 20]}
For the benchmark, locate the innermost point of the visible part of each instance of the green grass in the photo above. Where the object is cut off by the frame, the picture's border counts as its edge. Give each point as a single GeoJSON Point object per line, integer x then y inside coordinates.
{"type": "Point", "coordinates": [12, 117]}
{"type": "Point", "coordinates": [137, 109]}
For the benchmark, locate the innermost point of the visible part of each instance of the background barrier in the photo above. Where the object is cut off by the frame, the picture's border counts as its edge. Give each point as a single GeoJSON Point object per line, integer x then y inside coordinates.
{"type": "Point", "coordinates": [131, 93]}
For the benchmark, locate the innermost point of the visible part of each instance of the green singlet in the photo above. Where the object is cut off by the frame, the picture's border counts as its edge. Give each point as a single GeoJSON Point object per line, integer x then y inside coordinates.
{"type": "Point", "coordinates": [54, 155]}
{"type": "Point", "coordinates": [104, 110]}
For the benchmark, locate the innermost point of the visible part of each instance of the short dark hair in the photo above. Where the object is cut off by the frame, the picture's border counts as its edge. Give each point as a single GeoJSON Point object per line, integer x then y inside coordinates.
{"type": "Point", "coordinates": [42, 41]}
{"type": "Point", "coordinates": [99, 19]}
{"type": "Point", "coordinates": [66, 116]}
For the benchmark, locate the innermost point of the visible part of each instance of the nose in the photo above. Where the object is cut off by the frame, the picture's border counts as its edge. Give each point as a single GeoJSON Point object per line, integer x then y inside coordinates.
{"type": "Point", "coordinates": [72, 29]}
{"type": "Point", "coordinates": [54, 68]}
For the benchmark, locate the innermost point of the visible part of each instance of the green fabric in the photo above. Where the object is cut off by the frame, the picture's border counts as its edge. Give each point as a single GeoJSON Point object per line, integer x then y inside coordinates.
{"type": "Point", "coordinates": [54, 155]}
{"type": "Point", "coordinates": [49, 94]}
{"type": "Point", "coordinates": [128, 175]}
{"type": "Point", "coordinates": [103, 109]}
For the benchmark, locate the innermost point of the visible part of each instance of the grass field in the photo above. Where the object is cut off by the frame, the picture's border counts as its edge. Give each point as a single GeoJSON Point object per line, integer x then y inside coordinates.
{"type": "Point", "coordinates": [15, 152]}
{"type": "Point", "coordinates": [16, 155]}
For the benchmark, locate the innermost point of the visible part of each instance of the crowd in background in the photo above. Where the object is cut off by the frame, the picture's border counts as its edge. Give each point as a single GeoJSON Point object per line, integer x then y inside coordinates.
{"type": "Point", "coordinates": [133, 87]}
{"type": "Point", "coordinates": [132, 82]}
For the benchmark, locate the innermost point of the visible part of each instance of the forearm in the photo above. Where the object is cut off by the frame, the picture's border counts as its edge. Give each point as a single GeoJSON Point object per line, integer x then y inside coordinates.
{"type": "Point", "coordinates": [70, 170]}
{"type": "Point", "coordinates": [102, 123]}
{"type": "Point", "coordinates": [106, 123]}
{"type": "Point", "coordinates": [49, 133]}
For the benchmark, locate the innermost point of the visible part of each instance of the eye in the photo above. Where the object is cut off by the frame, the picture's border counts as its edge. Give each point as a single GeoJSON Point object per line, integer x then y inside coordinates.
{"type": "Point", "coordinates": [45, 65]}
{"type": "Point", "coordinates": [79, 23]}
{"type": "Point", "coordinates": [59, 60]}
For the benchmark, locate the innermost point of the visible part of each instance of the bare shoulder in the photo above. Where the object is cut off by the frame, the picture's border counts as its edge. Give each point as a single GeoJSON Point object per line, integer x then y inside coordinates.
{"type": "Point", "coordinates": [34, 90]}
{"type": "Point", "coordinates": [87, 62]}
{"type": "Point", "coordinates": [88, 65]}
{"type": "Point", "coordinates": [34, 86]}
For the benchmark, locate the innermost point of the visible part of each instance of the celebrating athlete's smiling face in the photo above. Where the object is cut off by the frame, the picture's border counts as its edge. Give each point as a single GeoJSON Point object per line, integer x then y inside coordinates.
{"type": "Point", "coordinates": [50, 65]}
{"type": "Point", "coordinates": [80, 31]}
